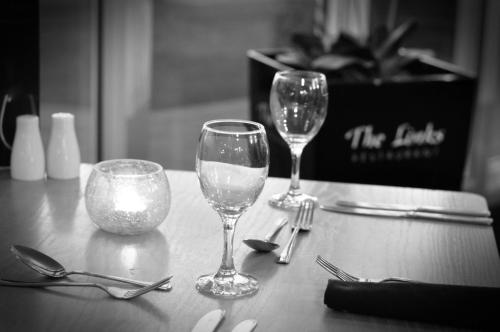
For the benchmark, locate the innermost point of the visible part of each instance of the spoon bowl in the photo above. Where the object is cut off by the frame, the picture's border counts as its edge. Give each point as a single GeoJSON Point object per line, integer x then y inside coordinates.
{"type": "Point", "coordinates": [267, 244]}
{"type": "Point", "coordinates": [261, 245]}
{"type": "Point", "coordinates": [49, 267]}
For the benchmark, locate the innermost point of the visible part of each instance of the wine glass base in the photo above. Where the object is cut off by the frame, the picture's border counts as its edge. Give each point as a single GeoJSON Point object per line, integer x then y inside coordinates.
{"type": "Point", "coordinates": [288, 201]}
{"type": "Point", "coordinates": [237, 285]}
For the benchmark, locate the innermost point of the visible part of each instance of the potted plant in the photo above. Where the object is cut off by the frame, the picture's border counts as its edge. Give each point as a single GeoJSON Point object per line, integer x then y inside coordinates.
{"type": "Point", "coordinates": [395, 117]}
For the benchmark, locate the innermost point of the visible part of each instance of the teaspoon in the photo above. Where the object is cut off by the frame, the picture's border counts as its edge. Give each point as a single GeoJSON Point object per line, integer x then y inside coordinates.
{"type": "Point", "coordinates": [48, 266]}
{"type": "Point", "coordinates": [266, 245]}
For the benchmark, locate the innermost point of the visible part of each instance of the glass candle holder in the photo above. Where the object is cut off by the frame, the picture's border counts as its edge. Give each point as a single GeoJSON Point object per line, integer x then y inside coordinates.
{"type": "Point", "coordinates": [127, 196]}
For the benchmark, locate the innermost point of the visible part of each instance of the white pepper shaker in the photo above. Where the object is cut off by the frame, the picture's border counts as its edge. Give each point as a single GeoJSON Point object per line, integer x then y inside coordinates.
{"type": "Point", "coordinates": [63, 152]}
{"type": "Point", "coordinates": [27, 160]}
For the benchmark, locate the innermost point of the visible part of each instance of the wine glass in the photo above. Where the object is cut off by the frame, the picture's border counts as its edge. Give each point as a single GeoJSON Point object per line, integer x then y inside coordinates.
{"type": "Point", "coordinates": [298, 102]}
{"type": "Point", "coordinates": [232, 163]}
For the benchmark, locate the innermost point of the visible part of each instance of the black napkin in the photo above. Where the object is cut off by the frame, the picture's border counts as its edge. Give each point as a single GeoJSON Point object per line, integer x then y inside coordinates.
{"type": "Point", "coordinates": [460, 306]}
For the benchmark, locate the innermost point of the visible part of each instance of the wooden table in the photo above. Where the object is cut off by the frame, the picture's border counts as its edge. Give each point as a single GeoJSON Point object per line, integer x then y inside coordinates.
{"type": "Point", "coordinates": [51, 216]}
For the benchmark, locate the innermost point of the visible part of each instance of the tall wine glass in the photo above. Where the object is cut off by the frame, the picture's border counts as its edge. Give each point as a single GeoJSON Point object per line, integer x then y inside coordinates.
{"type": "Point", "coordinates": [232, 163]}
{"type": "Point", "coordinates": [298, 103]}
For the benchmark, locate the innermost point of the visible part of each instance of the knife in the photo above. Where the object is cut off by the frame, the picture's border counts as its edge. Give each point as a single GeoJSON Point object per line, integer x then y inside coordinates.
{"type": "Point", "coordinates": [209, 322]}
{"type": "Point", "coordinates": [245, 326]}
{"type": "Point", "coordinates": [409, 208]}
{"type": "Point", "coordinates": [408, 214]}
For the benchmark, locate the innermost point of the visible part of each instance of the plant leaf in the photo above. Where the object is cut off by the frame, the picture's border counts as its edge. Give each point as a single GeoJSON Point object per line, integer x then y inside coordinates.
{"type": "Point", "coordinates": [392, 66]}
{"type": "Point", "coordinates": [334, 62]}
{"type": "Point", "coordinates": [311, 45]}
{"type": "Point", "coordinates": [377, 37]}
{"type": "Point", "coordinates": [350, 46]}
{"type": "Point", "coordinates": [393, 42]}
{"type": "Point", "coordinates": [295, 59]}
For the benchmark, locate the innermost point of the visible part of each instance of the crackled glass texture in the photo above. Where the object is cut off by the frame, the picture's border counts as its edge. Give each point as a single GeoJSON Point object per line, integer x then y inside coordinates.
{"type": "Point", "coordinates": [127, 196]}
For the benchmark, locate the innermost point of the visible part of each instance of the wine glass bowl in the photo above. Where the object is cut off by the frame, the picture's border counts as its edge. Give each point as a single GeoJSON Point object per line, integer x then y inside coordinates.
{"type": "Point", "coordinates": [232, 163]}
{"type": "Point", "coordinates": [298, 103]}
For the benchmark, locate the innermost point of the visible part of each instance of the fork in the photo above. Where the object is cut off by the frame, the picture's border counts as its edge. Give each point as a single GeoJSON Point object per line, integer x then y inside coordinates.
{"type": "Point", "coordinates": [115, 292]}
{"type": "Point", "coordinates": [303, 220]}
{"type": "Point", "coordinates": [344, 276]}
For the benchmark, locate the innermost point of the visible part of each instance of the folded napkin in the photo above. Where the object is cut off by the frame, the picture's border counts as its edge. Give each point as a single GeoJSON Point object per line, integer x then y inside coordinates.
{"type": "Point", "coordinates": [463, 306]}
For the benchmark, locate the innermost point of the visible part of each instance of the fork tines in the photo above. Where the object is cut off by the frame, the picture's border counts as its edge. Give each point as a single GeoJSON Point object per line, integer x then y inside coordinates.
{"type": "Point", "coordinates": [303, 220]}
{"type": "Point", "coordinates": [342, 275]}
{"type": "Point", "coordinates": [137, 292]}
{"type": "Point", "coordinates": [307, 214]}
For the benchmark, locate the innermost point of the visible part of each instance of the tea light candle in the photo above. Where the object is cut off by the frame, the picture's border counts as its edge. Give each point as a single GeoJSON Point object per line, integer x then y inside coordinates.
{"type": "Point", "coordinates": [127, 196]}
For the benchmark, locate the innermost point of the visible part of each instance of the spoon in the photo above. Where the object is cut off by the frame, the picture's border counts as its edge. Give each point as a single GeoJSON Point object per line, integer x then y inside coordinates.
{"type": "Point", "coordinates": [267, 245]}
{"type": "Point", "coordinates": [48, 266]}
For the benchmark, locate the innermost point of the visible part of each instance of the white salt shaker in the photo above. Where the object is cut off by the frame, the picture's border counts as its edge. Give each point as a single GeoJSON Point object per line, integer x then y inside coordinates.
{"type": "Point", "coordinates": [63, 152]}
{"type": "Point", "coordinates": [27, 160]}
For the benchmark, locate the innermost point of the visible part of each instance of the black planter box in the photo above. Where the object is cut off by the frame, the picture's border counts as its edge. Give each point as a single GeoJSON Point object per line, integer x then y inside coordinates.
{"type": "Point", "coordinates": [411, 131]}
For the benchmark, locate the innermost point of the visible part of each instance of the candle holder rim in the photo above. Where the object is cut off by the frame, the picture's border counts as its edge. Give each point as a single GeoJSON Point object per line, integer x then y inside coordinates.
{"type": "Point", "coordinates": [156, 167]}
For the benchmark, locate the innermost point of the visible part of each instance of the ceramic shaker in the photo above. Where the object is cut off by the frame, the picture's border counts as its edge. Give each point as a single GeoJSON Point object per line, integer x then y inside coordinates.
{"type": "Point", "coordinates": [63, 152]}
{"type": "Point", "coordinates": [27, 160]}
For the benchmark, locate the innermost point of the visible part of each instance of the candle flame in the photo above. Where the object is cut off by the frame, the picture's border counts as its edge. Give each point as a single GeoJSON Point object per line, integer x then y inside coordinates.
{"type": "Point", "coordinates": [127, 199]}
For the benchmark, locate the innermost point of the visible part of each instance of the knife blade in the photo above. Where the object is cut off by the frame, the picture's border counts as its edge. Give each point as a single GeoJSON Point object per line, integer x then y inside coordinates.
{"type": "Point", "coordinates": [408, 214]}
{"type": "Point", "coordinates": [245, 326]}
{"type": "Point", "coordinates": [209, 321]}
{"type": "Point", "coordinates": [410, 208]}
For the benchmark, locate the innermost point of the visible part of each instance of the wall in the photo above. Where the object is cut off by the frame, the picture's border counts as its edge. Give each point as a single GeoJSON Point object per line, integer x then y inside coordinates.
{"type": "Point", "coordinates": [68, 68]}
{"type": "Point", "coordinates": [200, 45]}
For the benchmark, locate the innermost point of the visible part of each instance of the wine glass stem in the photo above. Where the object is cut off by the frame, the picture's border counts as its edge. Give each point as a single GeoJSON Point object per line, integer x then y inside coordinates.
{"type": "Point", "coordinates": [296, 152]}
{"type": "Point", "coordinates": [227, 266]}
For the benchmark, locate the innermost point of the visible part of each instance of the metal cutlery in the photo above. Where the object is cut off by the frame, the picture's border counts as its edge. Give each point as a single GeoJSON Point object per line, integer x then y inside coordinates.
{"type": "Point", "coordinates": [344, 276]}
{"type": "Point", "coordinates": [48, 266]}
{"type": "Point", "coordinates": [408, 214]}
{"type": "Point", "coordinates": [310, 205]}
{"type": "Point", "coordinates": [266, 245]}
{"type": "Point", "coordinates": [303, 220]}
{"type": "Point", "coordinates": [408, 208]}
{"type": "Point", "coordinates": [245, 326]}
{"type": "Point", "coordinates": [115, 292]}
{"type": "Point", "coordinates": [209, 321]}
